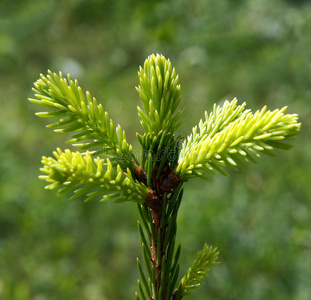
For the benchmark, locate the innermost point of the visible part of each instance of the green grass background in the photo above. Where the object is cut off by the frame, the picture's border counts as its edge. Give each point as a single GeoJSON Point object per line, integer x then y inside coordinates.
{"type": "Point", "coordinates": [255, 50]}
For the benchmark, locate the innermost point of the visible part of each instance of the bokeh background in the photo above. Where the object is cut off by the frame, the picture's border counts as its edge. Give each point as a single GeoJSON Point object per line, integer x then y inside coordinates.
{"type": "Point", "coordinates": [255, 50]}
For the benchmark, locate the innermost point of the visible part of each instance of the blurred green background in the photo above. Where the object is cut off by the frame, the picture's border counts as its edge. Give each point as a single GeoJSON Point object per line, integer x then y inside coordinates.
{"type": "Point", "coordinates": [256, 50]}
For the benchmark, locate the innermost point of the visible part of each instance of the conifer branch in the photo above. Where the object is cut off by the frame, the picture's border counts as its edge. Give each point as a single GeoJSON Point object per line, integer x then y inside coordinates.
{"type": "Point", "coordinates": [159, 91]}
{"type": "Point", "coordinates": [93, 177]}
{"type": "Point", "coordinates": [160, 94]}
{"type": "Point", "coordinates": [231, 136]}
{"type": "Point", "coordinates": [80, 114]}
{"type": "Point", "coordinates": [193, 278]}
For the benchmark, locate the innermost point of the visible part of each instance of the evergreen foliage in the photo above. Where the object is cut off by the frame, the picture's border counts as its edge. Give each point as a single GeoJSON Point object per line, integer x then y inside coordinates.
{"type": "Point", "coordinates": [98, 177]}
{"type": "Point", "coordinates": [201, 265]}
{"type": "Point", "coordinates": [159, 92]}
{"type": "Point", "coordinates": [229, 135]}
{"type": "Point", "coordinates": [80, 114]}
{"type": "Point", "coordinates": [233, 136]}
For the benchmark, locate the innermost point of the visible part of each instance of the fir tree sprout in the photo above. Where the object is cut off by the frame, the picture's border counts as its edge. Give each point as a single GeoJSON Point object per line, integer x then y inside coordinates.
{"type": "Point", "coordinates": [108, 169]}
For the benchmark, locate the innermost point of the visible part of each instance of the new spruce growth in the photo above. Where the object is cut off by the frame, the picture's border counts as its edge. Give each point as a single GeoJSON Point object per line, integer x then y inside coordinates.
{"type": "Point", "coordinates": [228, 136]}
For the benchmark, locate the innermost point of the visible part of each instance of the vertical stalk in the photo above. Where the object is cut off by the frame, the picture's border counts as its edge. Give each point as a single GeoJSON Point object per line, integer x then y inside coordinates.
{"type": "Point", "coordinates": [156, 248]}
{"type": "Point", "coordinates": [162, 266]}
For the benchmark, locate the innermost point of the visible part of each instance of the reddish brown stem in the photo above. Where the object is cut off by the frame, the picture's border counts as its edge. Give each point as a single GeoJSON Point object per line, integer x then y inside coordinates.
{"type": "Point", "coordinates": [160, 186]}
{"type": "Point", "coordinates": [156, 217]}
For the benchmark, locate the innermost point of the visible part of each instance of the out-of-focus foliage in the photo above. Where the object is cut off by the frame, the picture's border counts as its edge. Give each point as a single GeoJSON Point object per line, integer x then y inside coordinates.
{"type": "Point", "coordinates": [255, 50]}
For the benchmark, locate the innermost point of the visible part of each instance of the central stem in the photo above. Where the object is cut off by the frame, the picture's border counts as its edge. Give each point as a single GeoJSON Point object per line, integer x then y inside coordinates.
{"type": "Point", "coordinates": [157, 252]}
{"type": "Point", "coordinates": [161, 211]}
